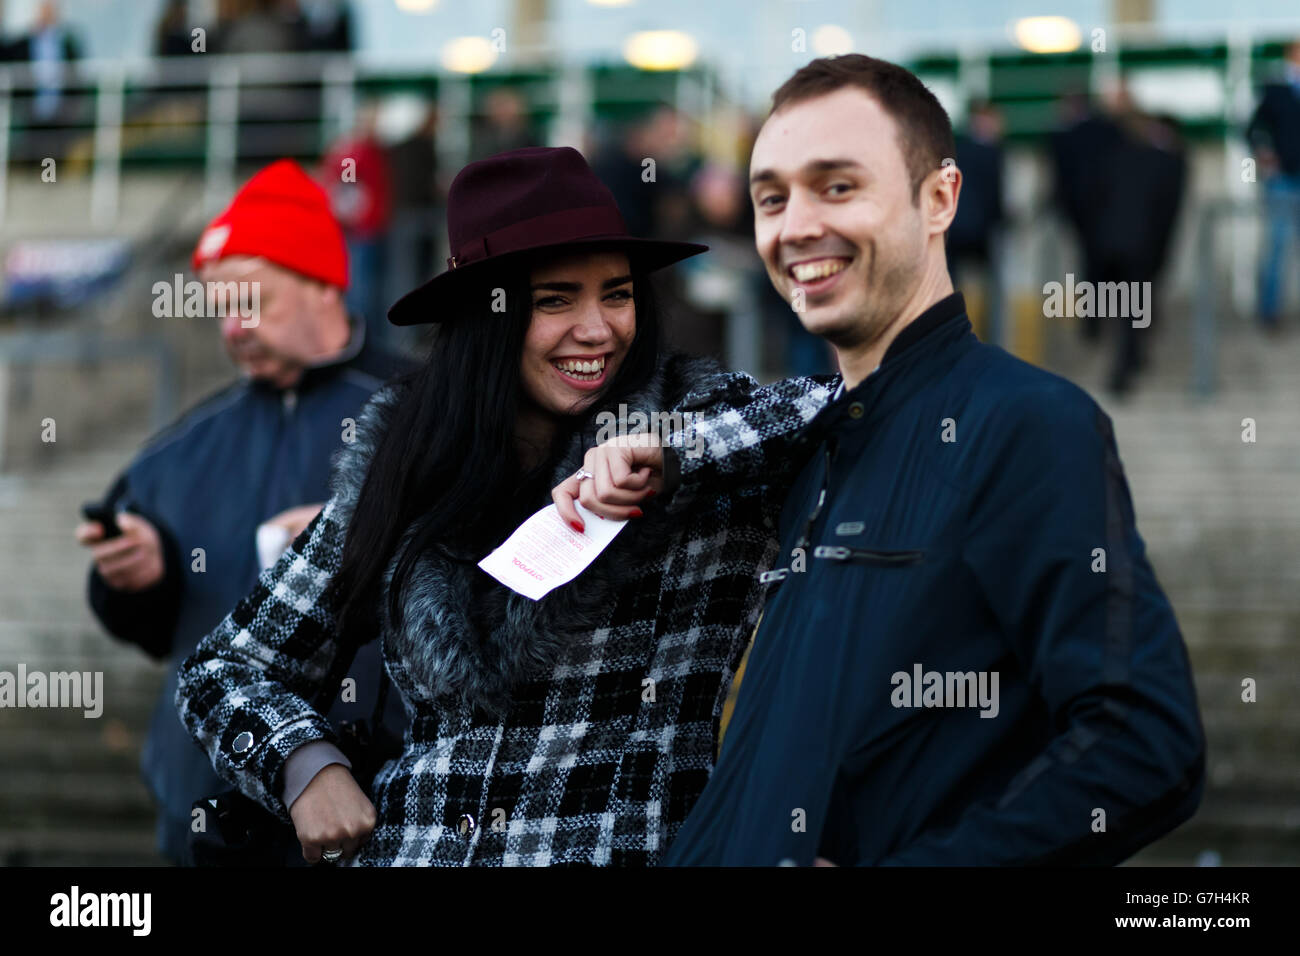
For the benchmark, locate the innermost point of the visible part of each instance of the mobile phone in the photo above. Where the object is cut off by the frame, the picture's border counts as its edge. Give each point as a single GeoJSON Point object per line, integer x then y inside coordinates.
{"type": "Point", "coordinates": [94, 511]}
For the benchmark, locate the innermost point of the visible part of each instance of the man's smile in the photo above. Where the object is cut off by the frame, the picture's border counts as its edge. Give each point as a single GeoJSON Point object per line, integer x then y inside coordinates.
{"type": "Point", "coordinates": [810, 270]}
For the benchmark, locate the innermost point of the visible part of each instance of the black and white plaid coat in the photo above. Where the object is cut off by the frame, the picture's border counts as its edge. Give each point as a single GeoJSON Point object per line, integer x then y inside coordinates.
{"type": "Point", "coordinates": [579, 729]}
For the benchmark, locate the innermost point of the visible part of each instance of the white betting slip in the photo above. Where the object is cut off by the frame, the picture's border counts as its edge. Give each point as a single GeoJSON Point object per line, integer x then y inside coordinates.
{"type": "Point", "coordinates": [544, 552]}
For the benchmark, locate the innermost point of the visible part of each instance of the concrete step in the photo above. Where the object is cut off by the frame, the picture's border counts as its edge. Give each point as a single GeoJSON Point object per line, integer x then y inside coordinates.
{"type": "Point", "coordinates": [1230, 844]}
{"type": "Point", "coordinates": [49, 796]}
{"type": "Point", "coordinates": [79, 846]}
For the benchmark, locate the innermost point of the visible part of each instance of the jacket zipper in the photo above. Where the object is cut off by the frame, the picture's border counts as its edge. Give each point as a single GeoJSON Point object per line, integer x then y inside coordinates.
{"type": "Point", "coordinates": [841, 552]}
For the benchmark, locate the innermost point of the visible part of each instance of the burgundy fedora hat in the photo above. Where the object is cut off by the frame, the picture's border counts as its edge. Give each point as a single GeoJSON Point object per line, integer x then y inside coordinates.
{"type": "Point", "coordinates": [523, 201]}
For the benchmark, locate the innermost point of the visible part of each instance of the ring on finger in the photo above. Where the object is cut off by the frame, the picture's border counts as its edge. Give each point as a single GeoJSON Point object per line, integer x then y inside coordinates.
{"type": "Point", "coordinates": [583, 473]}
{"type": "Point", "coordinates": [330, 856]}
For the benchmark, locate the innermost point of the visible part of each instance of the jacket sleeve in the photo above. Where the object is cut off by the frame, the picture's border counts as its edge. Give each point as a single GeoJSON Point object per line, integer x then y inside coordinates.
{"type": "Point", "coordinates": [738, 433]}
{"type": "Point", "coordinates": [146, 618]}
{"type": "Point", "coordinates": [257, 688]}
{"type": "Point", "coordinates": [1053, 543]}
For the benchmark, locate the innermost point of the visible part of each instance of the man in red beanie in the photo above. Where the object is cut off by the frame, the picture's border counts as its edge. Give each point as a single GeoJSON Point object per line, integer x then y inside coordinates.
{"type": "Point", "coordinates": [217, 496]}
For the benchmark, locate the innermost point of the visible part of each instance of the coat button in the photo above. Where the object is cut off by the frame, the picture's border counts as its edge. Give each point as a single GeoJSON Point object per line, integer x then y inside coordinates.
{"type": "Point", "coordinates": [855, 410]}
{"type": "Point", "coordinates": [242, 743]}
{"type": "Point", "coordinates": [466, 825]}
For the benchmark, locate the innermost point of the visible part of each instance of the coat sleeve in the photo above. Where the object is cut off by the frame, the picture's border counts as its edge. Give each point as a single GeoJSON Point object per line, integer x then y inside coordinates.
{"type": "Point", "coordinates": [1124, 757]}
{"type": "Point", "coordinates": [257, 688]}
{"type": "Point", "coordinates": [146, 618]}
{"type": "Point", "coordinates": [738, 433]}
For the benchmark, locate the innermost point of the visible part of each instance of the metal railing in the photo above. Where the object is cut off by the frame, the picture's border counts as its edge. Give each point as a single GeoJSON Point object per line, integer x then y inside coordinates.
{"type": "Point", "coordinates": [231, 95]}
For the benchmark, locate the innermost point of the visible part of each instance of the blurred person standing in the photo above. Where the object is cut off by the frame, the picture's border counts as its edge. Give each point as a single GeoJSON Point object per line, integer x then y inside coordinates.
{"type": "Point", "coordinates": [357, 178]}
{"type": "Point", "coordinates": [655, 198]}
{"type": "Point", "coordinates": [171, 36]}
{"type": "Point", "coordinates": [505, 125]}
{"type": "Point", "coordinates": [1080, 152]}
{"type": "Point", "coordinates": [719, 284]}
{"type": "Point", "coordinates": [1134, 208]}
{"type": "Point", "coordinates": [1274, 134]}
{"type": "Point", "coordinates": [271, 113]}
{"type": "Point", "coordinates": [48, 51]}
{"type": "Point", "coordinates": [417, 200]}
{"type": "Point", "coordinates": [649, 166]}
{"type": "Point", "coordinates": [255, 453]}
{"type": "Point", "coordinates": [973, 234]}
{"type": "Point", "coordinates": [258, 26]}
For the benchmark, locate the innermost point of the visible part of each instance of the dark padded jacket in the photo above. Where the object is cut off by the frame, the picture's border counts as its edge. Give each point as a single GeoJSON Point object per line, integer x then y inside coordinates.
{"type": "Point", "coordinates": [976, 521]}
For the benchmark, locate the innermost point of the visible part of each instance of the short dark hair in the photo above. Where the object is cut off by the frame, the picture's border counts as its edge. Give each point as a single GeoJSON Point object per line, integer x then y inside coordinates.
{"type": "Point", "coordinates": [924, 130]}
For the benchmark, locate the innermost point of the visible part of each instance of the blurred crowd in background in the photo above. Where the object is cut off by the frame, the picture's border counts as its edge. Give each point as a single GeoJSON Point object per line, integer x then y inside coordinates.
{"type": "Point", "coordinates": [1120, 177]}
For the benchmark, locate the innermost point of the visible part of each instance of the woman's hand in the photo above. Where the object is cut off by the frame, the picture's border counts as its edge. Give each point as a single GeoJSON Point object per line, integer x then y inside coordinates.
{"type": "Point", "coordinates": [332, 813]}
{"type": "Point", "coordinates": [626, 471]}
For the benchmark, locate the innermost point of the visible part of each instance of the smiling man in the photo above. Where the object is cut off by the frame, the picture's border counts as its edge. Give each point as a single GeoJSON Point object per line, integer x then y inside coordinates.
{"type": "Point", "coordinates": [962, 514]}
{"type": "Point", "coordinates": [965, 657]}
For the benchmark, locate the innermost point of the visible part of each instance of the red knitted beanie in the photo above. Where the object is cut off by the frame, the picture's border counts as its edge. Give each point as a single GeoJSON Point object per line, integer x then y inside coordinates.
{"type": "Point", "coordinates": [283, 216]}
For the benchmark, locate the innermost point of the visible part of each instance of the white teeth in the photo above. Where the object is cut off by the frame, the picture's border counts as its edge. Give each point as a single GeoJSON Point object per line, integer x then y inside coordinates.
{"type": "Point", "coordinates": [581, 369]}
{"type": "Point", "coordinates": [808, 271]}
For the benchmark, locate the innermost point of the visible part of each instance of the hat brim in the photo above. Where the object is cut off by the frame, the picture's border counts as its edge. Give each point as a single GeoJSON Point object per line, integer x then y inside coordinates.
{"type": "Point", "coordinates": [434, 301]}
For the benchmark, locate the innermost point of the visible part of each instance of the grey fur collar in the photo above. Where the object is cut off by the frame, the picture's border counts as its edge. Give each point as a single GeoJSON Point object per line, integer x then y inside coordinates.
{"type": "Point", "coordinates": [444, 653]}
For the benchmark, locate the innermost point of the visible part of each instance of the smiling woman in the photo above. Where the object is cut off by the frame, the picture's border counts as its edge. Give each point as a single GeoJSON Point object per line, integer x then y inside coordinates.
{"type": "Point", "coordinates": [583, 322]}
{"type": "Point", "coordinates": [574, 729]}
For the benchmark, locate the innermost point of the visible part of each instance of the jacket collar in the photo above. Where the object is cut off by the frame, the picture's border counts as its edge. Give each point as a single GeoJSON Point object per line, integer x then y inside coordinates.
{"type": "Point", "coordinates": [946, 309]}
{"type": "Point", "coordinates": [314, 373]}
{"type": "Point", "coordinates": [912, 359]}
{"type": "Point", "coordinates": [949, 307]}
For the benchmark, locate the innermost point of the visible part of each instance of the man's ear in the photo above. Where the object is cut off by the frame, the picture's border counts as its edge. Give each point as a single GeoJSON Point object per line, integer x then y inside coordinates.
{"type": "Point", "coordinates": [939, 194]}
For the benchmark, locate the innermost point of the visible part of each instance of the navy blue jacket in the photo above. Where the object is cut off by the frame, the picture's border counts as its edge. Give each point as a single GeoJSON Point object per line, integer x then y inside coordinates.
{"type": "Point", "coordinates": [971, 500]}
{"type": "Point", "coordinates": [207, 481]}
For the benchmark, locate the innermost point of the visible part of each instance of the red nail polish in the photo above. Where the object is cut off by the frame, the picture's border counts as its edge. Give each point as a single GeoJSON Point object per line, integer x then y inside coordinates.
{"type": "Point", "coordinates": [576, 526]}
{"type": "Point", "coordinates": [636, 513]}
{"type": "Point", "coordinates": [650, 493]}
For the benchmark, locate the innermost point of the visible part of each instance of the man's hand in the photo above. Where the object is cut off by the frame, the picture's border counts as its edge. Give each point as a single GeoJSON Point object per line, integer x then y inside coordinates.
{"type": "Point", "coordinates": [626, 471]}
{"type": "Point", "coordinates": [332, 813]}
{"type": "Point", "coordinates": [133, 561]}
{"type": "Point", "coordinates": [295, 520]}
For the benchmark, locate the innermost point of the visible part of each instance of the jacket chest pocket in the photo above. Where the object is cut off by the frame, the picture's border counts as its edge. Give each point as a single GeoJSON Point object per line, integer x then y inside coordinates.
{"type": "Point", "coordinates": [840, 555]}
{"type": "Point", "coordinates": [873, 557]}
